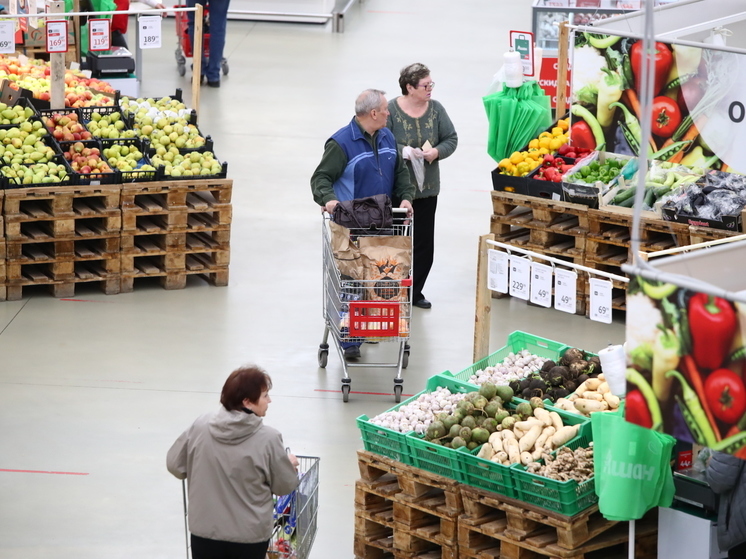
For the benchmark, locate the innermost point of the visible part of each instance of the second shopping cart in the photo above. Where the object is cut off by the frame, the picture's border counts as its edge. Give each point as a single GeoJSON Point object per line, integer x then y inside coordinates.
{"type": "Point", "coordinates": [367, 292]}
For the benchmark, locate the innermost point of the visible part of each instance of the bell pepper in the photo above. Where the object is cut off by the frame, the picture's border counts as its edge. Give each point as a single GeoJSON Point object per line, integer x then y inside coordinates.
{"type": "Point", "coordinates": [665, 357]}
{"type": "Point", "coordinates": [636, 410]}
{"type": "Point", "coordinates": [581, 135]}
{"type": "Point", "coordinates": [713, 324]}
{"type": "Point", "coordinates": [648, 411]}
{"type": "Point", "coordinates": [663, 60]}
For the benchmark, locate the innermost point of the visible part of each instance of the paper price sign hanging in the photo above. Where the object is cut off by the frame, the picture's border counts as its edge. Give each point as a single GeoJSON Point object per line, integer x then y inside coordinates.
{"type": "Point", "coordinates": [520, 277]}
{"type": "Point", "coordinates": [600, 300]}
{"type": "Point", "coordinates": [565, 289]}
{"type": "Point", "coordinates": [541, 284]}
{"type": "Point", "coordinates": [99, 34]}
{"type": "Point", "coordinates": [497, 271]}
{"type": "Point", "coordinates": [56, 36]}
{"type": "Point", "coordinates": [150, 32]}
{"type": "Point", "coordinates": [7, 36]}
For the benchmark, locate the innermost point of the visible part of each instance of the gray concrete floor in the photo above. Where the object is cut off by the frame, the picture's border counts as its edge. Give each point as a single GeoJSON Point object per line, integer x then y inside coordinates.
{"type": "Point", "coordinates": [103, 385]}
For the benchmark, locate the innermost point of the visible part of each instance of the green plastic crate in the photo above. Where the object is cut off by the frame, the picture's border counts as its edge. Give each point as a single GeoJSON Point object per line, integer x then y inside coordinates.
{"type": "Point", "coordinates": [497, 478]}
{"type": "Point", "coordinates": [565, 497]}
{"type": "Point", "coordinates": [394, 444]}
{"type": "Point", "coordinates": [516, 342]}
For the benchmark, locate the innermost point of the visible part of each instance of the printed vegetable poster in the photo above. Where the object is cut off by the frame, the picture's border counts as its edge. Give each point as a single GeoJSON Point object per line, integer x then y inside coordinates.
{"type": "Point", "coordinates": [699, 110]}
{"type": "Point", "coordinates": [686, 356]}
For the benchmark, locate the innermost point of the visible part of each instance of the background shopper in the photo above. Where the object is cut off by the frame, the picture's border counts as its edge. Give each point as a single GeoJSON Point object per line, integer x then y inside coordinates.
{"type": "Point", "coordinates": [233, 463]}
{"type": "Point", "coordinates": [725, 474]}
{"type": "Point", "coordinates": [218, 11]}
{"type": "Point", "coordinates": [416, 118]}
{"type": "Point", "coordinates": [361, 159]}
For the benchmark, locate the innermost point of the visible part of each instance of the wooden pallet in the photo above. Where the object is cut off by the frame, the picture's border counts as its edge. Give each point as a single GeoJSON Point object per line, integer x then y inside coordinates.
{"type": "Point", "coordinates": [704, 234]}
{"type": "Point", "coordinates": [474, 543]}
{"type": "Point", "coordinates": [198, 195]}
{"type": "Point", "coordinates": [62, 229]}
{"type": "Point", "coordinates": [412, 486]}
{"type": "Point", "coordinates": [410, 545]}
{"type": "Point", "coordinates": [543, 212]}
{"type": "Point", "coordinates": [44, 203]}
{"type": "Point", "coordinates": [50, 251]}
{"type": "Point", "coordinates": [425, 525]}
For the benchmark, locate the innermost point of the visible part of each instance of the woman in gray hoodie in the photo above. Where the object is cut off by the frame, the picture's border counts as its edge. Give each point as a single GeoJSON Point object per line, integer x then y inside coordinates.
{"type": "Point", "coordinates": [233, 463]}
{"type": "Point", "coordinates": [725, 474]}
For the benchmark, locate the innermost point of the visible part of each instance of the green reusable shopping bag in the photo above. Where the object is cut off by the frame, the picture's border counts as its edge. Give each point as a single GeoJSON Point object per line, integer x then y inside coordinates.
{"type": "Point", "coordinates": [632, 467]}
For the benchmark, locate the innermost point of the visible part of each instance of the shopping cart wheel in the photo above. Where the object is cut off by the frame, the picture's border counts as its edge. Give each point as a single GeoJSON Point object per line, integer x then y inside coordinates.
{"type": "Point", "coordinates": [397, 392]}
{"type": "Point", "coordinates": [225, 67]}
{"type": "Point", "coordinates": [323, 355]}
{"type": "Point", "coordinates": [405, 359]}
{"type": "Point", "coordinates": [180, 59]}
{"type": "Point", "coordinates": [182, 69]}
{"type": "Point", "coordinates": [345, 392]}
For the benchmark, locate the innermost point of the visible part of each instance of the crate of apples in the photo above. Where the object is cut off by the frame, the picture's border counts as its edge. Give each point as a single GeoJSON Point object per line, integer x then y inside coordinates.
{"type": "Point", "coordinates": [86, 160]}
{"type": "Point", "coordinates": [66, 127]}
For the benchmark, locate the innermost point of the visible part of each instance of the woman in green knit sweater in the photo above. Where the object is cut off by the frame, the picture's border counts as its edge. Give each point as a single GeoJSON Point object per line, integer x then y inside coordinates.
{"type": "Point", "coordinates": [425, 134]}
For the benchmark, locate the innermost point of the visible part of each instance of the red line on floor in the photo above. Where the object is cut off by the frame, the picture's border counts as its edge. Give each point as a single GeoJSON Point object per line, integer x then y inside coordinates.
{"type": "Point", "coordinates": [373, 393]}
{"type": "Point", "coordinates": [44, 472]}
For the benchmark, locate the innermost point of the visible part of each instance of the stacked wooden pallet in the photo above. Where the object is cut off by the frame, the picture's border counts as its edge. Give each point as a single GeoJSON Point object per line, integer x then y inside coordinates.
{"type": "Point", "coordinates": [61, 236]}
{"type": "Point", "coordinates": [404, 512]}
{"type": "Point", "coordinates": [595, 238]}
{"type": "Point", "coordinates": [174, 229]}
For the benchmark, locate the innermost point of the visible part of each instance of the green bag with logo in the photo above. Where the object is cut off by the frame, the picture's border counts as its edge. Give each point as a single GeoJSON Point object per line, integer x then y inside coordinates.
{"type": "Point", "coordinates": [632, 467]}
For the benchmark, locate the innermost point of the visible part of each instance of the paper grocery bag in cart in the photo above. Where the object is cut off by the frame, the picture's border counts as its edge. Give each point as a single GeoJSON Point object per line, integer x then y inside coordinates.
{"type": "Point", "coordinates": [632, 467]}
{"type": "Point", "coordinates": [346, 253]}
{"type": "Point", "coordinates": [387, 260]}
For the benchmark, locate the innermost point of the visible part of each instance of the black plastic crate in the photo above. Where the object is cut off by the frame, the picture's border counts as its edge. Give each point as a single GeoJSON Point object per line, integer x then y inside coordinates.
{"type": "Point", "coordinates": [144, 147]}
{"type": "Point", "coordinates": [97, 177]}
{"type": "Point", "coordinates": [87, 115]}
{"type": "Point", "coordinates": [11, 182]}
{"type": "Point", "coordinates": [161, 168]}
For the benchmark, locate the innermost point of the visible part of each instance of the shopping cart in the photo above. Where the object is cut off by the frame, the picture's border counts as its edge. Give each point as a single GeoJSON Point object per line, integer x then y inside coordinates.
{"type": "Point", "coordinates": [295, 515]}
{"type": "Point", "coordinates": [184, 48]}
{"type": "Point", "coordinates": [351, 317]}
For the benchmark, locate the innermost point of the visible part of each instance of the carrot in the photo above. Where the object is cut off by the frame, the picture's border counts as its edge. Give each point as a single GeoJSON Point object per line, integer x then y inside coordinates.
{"type": "Point", "coordinates": [691, 134]}
{"type": "Point", "coordinates": [695, 378]}
{"type": "Point", "coordinates": [632, 101]}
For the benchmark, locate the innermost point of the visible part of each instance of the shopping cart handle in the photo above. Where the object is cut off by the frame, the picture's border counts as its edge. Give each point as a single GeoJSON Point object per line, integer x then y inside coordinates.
{"type": "Point", "coordinates": [406, 282]}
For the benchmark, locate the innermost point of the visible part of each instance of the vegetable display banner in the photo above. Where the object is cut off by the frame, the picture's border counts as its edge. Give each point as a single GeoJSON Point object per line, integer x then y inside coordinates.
{"type": "Point", "coordinates": [686, 356]}
{"type": "Point", "coordinates": [698, 116]}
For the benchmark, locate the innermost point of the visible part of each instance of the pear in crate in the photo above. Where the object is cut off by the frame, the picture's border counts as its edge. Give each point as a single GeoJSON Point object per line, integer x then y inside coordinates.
{"type": "Point", "coordinates": [66, 127]}
{"type": "Point", "coordinates": [193, 164]}
{"type": "Point", "coordinates": [14, 115]}
{"type": "Point", "coordinates": [125, 158]}
{"type": "Point", "coordinates": [38, 173]}
{"type": "Point", "coordinates": [22, 146]}
{"type": "Point", "coordinates": [109, 126]}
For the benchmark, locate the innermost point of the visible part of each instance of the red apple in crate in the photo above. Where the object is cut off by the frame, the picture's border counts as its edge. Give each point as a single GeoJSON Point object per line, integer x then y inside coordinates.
{"type": "Point", "coordinates": [66, 128]}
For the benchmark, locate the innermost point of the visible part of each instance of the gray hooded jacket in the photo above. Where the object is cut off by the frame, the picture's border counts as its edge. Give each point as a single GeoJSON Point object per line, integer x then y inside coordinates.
{"type": "Point", "coordinates": [233, 464]}
{"type": "Point", "coordinates": [725, 476]}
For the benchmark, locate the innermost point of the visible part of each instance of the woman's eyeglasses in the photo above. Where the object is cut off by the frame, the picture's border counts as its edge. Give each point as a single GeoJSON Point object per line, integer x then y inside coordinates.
{"type": "Point", "coordinates": [427, 86]}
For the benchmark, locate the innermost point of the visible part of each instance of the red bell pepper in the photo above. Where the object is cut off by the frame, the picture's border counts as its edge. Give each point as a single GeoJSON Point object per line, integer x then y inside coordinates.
{"type": "Point", "coordinates": [582, 136]}
{"type": "Point", "coordinates": [663, 61]}
{"type": "Point", "coordinates": [713, 324]}
{"type": "Point", "coordinates": [636, 410]}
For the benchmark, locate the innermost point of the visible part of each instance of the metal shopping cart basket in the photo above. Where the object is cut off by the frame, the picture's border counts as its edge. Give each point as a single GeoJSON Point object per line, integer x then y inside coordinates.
{"type": "Point", "coordinates": [350, 314]}
{"type": "Point", "coordinates": [295, 515]}
{"type": "Point", "coordinates": [184, 48]}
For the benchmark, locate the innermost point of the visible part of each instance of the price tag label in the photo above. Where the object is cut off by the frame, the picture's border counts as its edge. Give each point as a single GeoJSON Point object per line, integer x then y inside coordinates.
{"type": "Point", "coordinates": [56, 36]}
{"type": "Point", "coordinates": [497, 273]}
{"type": "Point", "coordinates": [541, 284]}
{"type": "Point", "coordinates": [7, 36]}
{"type": "Point", "coordinates": [99, 34]}
{"type": "Point", "coordinates": [565, 290]}
{"type": "Point", "coordinates": [601, 300]}
{"type": "Point", "coordinates": [150, 32]}
{"type": "Point", "coordinates": [520, 277]}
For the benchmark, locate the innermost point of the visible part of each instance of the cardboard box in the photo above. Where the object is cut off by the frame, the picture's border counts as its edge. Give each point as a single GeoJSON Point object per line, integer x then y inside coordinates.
{"type": "Point", "coordinates": [38, 37]}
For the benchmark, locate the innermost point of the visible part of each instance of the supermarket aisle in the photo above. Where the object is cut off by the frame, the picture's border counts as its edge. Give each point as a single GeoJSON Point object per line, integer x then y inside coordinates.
{"type": "Point", "coordinates": [96, 389]}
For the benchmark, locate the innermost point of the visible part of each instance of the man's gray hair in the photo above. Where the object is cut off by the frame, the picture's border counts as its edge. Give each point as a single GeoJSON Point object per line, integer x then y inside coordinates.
{"type": "Point", "coordinates": [368, 100]}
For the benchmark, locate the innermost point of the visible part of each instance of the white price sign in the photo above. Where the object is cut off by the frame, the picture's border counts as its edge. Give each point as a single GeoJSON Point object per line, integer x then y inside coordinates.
{"type": "Point", "coordinates": [497, 272]}
{"type": "Point", "coordinates": [150, 32]}
{"type": "Point", "coordinates": [56, 36]}
{"type": "Point", "coordinates": [565, 290]}
{"type": "Point", "coordinates": [600, 300]}
{"type": "Point", "coordinates": [520, 277]}
{"type": "Point", "coordinates": [7, 36]}
{"type": "Point", "coordinates": [541, 284]}
{"type": "Point", "coordinates": [99, 34]}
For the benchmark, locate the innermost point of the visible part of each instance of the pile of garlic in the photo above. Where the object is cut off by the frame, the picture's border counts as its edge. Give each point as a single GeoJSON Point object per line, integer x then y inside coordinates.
{"type": "Point", "coordinates": [419, 414]}
{"type": "Point", "coordinates": [513, 367]}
